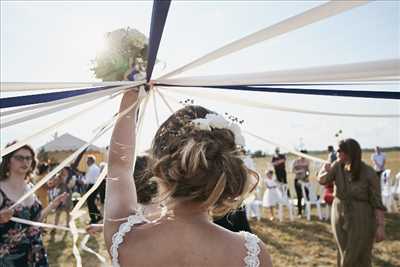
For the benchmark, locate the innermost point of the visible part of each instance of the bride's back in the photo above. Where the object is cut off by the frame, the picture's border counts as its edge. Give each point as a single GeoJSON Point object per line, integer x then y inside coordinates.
{"type": "Point", "coordinates": [185, 243]}
{"type": "Point", "coordinates": [196, 160]}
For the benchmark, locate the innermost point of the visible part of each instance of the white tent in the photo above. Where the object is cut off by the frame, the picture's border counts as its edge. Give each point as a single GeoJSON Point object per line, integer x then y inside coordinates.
{"type": "Point", "coordinates": [67, 142]}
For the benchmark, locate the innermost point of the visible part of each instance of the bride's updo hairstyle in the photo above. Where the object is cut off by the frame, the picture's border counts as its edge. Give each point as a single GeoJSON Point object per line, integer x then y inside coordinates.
{"type": "Point", "coordinates": [199, 165]}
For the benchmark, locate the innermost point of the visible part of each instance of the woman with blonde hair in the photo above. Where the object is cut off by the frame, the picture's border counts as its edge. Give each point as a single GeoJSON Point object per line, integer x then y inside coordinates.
{"type": "Point", "coordinates": [200, 174]}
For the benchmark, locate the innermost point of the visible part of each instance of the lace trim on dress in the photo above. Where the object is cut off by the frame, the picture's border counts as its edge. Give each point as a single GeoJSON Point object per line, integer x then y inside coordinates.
{"type": "Point", "coordinates": [253, 249]}
{"type": "Point", "coordinates": [118, 237]}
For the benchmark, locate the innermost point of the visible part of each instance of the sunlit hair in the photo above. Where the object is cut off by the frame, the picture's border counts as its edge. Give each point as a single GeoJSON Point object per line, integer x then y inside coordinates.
{"type": "Point", "coordinates": [5, 162]}
{"type": "Point", "coordinates": [199, 165]}
{"type": "Point", "coordinates": [352, 149]}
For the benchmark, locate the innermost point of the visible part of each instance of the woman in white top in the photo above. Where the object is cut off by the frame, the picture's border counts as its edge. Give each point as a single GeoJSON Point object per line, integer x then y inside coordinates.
{"type": "Point", "coordinates": [272, 195]}
{"type": "Point", "coordinates": [199, 174]}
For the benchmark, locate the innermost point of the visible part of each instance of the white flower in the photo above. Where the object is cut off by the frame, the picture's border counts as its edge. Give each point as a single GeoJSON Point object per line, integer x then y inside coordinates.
{"type": "Point", "coordinates": [217, 121]}
{"type": "Point", "coordinates": [237, 132]}
{"type": "Point", "coordinates": [202, 124]}
{"type": "Point", "coordinates": [239, 140]}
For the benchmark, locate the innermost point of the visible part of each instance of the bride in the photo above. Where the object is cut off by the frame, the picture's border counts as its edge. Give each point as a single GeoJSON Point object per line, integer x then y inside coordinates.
{"type": "Point", "coordinates": [200, 174]}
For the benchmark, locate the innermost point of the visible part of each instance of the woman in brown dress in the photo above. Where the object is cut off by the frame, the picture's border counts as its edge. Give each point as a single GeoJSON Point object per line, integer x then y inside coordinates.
{"type": "Point", "coordinates": [357, 211]}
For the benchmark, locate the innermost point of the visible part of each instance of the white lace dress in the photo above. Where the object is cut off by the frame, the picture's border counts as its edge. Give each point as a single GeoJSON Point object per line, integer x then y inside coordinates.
{"type": "Point", "coordinates": [118, 237]}
{"type": "Point", "coordinates": [251, 242]}
{"type": "Point", "coordinates": [272, 195]}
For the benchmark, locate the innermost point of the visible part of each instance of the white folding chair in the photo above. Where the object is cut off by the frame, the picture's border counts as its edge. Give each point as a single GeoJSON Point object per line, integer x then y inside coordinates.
{"type": "Point", "coordinates": [253, 207]}
{"type": "Point", "coordinates": [396, 186]}
{"type": "Point", "coordinates": [311, 200]}
{"type": "Point", "coordinates": [285, 201]}
{"type": "Point", "coordinates": [396, 189]}
{"type": "Point", "coordinates": [387, 192]}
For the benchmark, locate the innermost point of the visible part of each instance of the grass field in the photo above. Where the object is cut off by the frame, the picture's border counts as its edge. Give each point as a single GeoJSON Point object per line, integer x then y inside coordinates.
{"type": "Point", "coordinates": [310, 243]}
{"type": "Point", "coordinates": [298, 243]}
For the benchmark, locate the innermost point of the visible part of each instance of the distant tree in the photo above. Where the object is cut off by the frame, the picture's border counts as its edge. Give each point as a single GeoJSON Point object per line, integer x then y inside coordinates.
{"type": "Point", "coordinates": [43, 155]}
{"type": "Point", "coordinates": [125, 48]}
{"type": "Point", "coordinates": [258, 154]}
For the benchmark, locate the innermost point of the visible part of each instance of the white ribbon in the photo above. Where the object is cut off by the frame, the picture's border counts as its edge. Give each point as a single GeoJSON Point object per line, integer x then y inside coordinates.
{"type": "Point", "coordinates": [75, 214]}
{"type": "Point", "coordinates": [380, 70]}
{"type": "Point", "coordinates": [60, 107]}
{"type": "Point", "coordinates": [38, 86]}
{"type": "Point", "coordinates": [73, 229]}
{"type": "Point", "coordinates": [164, 100]}
{"type": "Point", "coordinates": [289, 149]}
{"type": "Point", "coordinates": [57, 102]}
{"type": "Point", "coordinates": [223, 96]}
{"type": "Point", "coordinates": [141, 97]}
{"type": "Point", "coordinates": [57, 169]}
{"type": "Point", "coordinates": [142, 111]}
{"type": "Point", "coordinates": [82, 200]}
{"type": "Point", "coordinates": [318, 13]}
{"type": "Point", "coordinates": [84, 247]}
{"type": "Point", "coordinates": [75, 249]}
{"type": "Point", "coordinates": [21, 143]}
{"type": "Point", "coordinates": [26, 140]}
{"type": "Point", "coordinates": [155, 108]}
{"type": "Point", "coordinates": [46, 225]}
{"type": "Point", "coordinates": [69, 159]}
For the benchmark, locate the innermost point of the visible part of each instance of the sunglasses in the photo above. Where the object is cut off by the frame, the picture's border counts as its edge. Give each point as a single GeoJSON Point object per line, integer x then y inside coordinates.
{"type": "Point", "coordinates": [22, 158]}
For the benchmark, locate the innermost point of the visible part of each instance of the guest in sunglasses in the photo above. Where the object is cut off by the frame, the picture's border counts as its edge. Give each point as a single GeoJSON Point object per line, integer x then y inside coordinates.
{"type": "Point", "coordinates": [21, 244]}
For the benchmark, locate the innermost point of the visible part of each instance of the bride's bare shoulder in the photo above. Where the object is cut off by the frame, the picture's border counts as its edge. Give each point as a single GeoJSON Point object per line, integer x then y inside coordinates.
{"type": "Point", "coordinates": [206, 245]}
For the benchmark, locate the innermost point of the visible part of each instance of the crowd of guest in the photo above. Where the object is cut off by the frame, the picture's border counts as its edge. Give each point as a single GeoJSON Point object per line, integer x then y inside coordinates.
{"type": "Point", "coordinates": [19, 171]}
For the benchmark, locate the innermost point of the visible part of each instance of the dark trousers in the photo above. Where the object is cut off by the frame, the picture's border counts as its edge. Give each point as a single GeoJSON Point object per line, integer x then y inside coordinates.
{"type": "Point", "coordinates": [281, 175]}
{"type": "Point", "coordinates": [235, 221]}
{"type": "Point", "coordinates": [299, 194]}
{"type": "Point", "coordinates": [102, 191]}
{"type": "Point", "coordinates": [94, 212]}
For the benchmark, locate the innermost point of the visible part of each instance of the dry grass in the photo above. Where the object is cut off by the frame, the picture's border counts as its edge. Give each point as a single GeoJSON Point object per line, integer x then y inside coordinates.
{"type": "Point", "coordinates": [59, 248]}
{"type": "Point", "coordinates": [311, 243]}
{"type": "Point", "coordinates": [298, 243]}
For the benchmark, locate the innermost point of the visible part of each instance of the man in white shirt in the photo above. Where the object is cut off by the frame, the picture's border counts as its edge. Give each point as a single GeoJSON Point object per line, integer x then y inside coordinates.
{"type": "Point", "coordinates": [378, 159]}
{"type": "Point", "coordinates": [92, 173]}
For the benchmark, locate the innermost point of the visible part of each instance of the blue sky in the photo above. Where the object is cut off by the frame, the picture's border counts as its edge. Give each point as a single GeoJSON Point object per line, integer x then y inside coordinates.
{"type": "Point", "coordinates": [55, 41]}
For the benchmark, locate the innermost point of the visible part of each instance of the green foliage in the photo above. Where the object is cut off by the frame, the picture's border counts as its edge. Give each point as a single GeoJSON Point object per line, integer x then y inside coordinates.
{"type": "Point", "coordinates": [125, 47]}
{"type": "Point", "coordinates": [258, 154]}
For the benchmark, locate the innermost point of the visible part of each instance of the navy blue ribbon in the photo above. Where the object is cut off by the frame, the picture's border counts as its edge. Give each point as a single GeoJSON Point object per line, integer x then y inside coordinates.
{"type": "Point", "coordinates": [17, 101]}
{"type": "Point", "coordinates": [158, 18]}
{"type": "Point", "coordinates": [303, 91]}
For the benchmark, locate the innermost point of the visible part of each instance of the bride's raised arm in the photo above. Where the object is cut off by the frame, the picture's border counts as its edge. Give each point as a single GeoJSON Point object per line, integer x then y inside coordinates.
{"type": "Point", "coordinates": [121, 198]}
